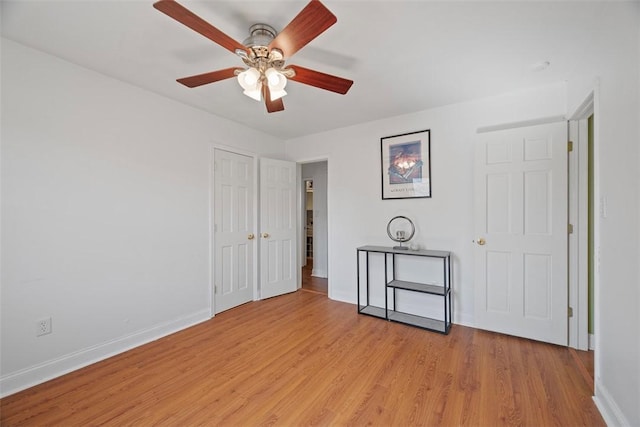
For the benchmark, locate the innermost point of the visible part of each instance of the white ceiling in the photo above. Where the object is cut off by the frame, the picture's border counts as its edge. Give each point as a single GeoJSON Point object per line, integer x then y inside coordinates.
{"type": "Point", "coordinates": [404, 56]}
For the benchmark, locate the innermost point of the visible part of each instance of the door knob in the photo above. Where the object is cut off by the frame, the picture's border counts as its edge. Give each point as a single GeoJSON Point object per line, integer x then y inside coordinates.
{"type": "Point", "coordinates": [265, 235]}
{"type": "Point", "coordinates": [481, 241]}
{"type": "Point", "coordinates": [251, 236]}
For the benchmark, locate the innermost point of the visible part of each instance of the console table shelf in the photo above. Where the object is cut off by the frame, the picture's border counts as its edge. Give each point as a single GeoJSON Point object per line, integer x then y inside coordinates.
{"type": "Point", "coordinates": [391, 311]}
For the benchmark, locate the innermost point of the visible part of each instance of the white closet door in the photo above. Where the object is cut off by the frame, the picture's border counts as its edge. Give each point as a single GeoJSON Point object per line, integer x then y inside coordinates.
{"type": "Point", "coordinates": [278, 248]}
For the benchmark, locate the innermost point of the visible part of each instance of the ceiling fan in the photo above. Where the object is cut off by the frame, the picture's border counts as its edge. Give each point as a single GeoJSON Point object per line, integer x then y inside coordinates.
{"type": "Point", "coordinates": [264, 53]}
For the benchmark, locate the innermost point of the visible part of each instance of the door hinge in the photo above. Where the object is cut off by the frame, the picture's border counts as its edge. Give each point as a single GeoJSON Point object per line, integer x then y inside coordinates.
{"type": "Point", "coordinates": [570, 228]}
{"type": "Point", "coordinates": [570, 146]}
{"type": "Point", "coordinates": [570, 311]}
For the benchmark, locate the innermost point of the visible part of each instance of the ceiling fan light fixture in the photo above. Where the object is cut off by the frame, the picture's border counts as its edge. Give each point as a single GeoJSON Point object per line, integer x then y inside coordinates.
{"type": "Point", "coordinates": [276, 94]}
{"type": "Point", "coordinates": [250, 81]}
{"type": "Point", "coordinates": [277, 80]}
{"type": "Point", "coordinates": [263, 53]}
{"type": "Point", "coordinates": [254, 93]}
{"type": "Point", "coordinates": [249, 78]}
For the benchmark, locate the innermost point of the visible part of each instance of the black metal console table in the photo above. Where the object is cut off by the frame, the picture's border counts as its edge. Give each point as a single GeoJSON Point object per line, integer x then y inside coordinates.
{"type": "Point", "coordinates": [391, 283]}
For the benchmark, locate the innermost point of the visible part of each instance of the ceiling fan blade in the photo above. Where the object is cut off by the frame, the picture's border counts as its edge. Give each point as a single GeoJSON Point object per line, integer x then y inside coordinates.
{"type": "Point", "coordinates": [206, 78]}
{"type": "Point", "coordinates": [181, 14]}
{"type": "Point", "coordinates": [320, 80]}
{"type": "Point", "coordinates": [272, 106]}
{"type": "Point", "coordinates": [312, 21]}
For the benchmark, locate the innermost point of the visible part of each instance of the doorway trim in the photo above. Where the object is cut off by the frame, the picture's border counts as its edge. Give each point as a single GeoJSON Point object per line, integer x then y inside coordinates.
{"type": "Point", "coordinates": [578, 252]}
{"type": "Point", "coordinates": [578, 236]}
{"type": "Point", "coordinates": [301, 221]}
{"type": "Point", "coordinates": [304, 257]}
{"type": "Point", "coordinates": [212, 200]}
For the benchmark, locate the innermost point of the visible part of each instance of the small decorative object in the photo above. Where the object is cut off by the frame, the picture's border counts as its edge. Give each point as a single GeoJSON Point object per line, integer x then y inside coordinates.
{"type": "Point", "coordinates": [400, 229]}
{"type": "Point", "coordinates": [406, 165]}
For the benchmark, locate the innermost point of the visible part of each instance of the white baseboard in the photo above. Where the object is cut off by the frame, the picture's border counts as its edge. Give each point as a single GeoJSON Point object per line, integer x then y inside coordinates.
{"type": "Point", "coordinates": [34, 375]}
{"type": "Point", "coordinates": [463, 319]}
{"type": "Point", "coordinates": [608, 408]}
{"type": "Point", "coordinates": [592, 342]}
{"type": "Point", "coordinates": [319, 273]}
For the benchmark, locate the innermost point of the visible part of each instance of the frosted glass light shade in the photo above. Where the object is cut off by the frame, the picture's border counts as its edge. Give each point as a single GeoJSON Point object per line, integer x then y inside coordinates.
{"type": "Point", "coordinates": [249, 80]}
{"type": "Point", "coordinates": [277, 81]}
{"type": "Point", "coordinates": [276, 94]}
{"type": "Point", "coordinates": [255, 92]}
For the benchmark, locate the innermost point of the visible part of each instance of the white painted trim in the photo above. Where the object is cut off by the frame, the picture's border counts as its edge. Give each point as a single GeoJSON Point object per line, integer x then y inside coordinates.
{"type": "Point", "coordinates": [300, 232]}
{"type": "Point", "coordinates": [582, 231]}
{"type": "Point", "coordinates": [610, 411]}
{"type": "Point", "coordinates": [578, 241]}
{"type": "Point", "coordinates": [585, 109]}
{"type": "Point", "coordinates": [597, 195]}
{"type": "Point", "coordinates": [573, 238]}
{"type": "Point", "coordinates": [579, 117]}
{"type": "Point", "coordinates": [591, 105]}
{"type": "Point", "coordinates": [521, 124]}
{"type": "Point", "coordinates": [211, 195]}
{"type": "Point", "coordinates": [54, 368]}
{"type": "Point", "coordinates": [329, 214]}
{"type": "Point", "coordinates": [319, 273]}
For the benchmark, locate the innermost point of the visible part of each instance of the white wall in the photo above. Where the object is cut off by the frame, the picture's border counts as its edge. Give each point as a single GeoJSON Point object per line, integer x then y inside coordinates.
{"type": "Point", "coordinates": [614, 61]}
{"type": "Point", "coordinates": [317, 172]}
{"type": "Point", "coordinates": [358, 215]}
{"type": "Point", "coordinates": [105, 214]}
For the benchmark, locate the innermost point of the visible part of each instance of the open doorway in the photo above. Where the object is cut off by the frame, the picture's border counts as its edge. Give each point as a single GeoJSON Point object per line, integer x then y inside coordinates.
{"type": "Point", "coordinates": [315, 235]}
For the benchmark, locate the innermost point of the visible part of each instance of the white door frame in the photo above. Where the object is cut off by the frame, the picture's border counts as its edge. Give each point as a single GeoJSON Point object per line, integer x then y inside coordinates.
{"type": "Point", "coordinates": [304, 197]}
{"type": "Point", "coordinates": [301, 221]}
{"type": "Point", "coordinates": [578, 252]}
{"type": "Point", "coordinates": [578, 240]}
{"type": "Point", "coordinates": [212, 219]}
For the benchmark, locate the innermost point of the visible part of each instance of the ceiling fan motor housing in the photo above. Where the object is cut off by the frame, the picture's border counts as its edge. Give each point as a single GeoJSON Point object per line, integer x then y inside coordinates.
{"type": "Point", "coordinates": [260, 37]}
{"type": "Point", "coordinates": [259, 55]}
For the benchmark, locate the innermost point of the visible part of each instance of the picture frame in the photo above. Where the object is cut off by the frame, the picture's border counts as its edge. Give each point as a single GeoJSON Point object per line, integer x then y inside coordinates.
{"type": "Point", "coordinates": [406, 165]}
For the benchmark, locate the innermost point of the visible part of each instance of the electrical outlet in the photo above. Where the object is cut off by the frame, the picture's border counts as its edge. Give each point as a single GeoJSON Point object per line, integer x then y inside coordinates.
{"type": "Point", "coordinates": [43, 326]}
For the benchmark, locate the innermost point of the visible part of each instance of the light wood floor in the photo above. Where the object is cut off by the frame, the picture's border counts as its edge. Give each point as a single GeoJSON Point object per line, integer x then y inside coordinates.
{"type": "Point", "coordinates": [302, 359]}
{"type": "Point", "coordinates": [314, 284]}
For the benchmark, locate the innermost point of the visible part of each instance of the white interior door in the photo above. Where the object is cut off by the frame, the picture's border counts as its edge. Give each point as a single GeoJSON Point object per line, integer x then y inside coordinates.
{"type": "Point", "coordinates": [521, 226]}
{"type": "Point", "coordinates": [233, 230]}
{"type": "Point", "coordinates": [278, 248]}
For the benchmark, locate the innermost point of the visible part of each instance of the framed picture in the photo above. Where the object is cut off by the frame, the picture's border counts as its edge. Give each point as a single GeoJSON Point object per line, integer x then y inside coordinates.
{"type": "Point", "coordinates": [406, 165]}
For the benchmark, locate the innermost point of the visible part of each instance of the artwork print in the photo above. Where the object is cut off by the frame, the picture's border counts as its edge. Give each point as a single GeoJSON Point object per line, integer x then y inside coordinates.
{"type": "Point", "coordinates": [406, 165]}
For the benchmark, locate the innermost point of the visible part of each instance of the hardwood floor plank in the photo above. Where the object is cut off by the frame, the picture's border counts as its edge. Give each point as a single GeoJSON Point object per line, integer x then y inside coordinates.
{"type": "Point", "coordinates": [311, 283]}
{"type": "Point", "coordinates": [302, 359]}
